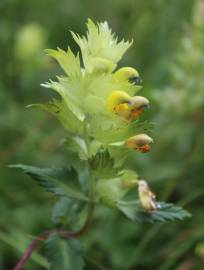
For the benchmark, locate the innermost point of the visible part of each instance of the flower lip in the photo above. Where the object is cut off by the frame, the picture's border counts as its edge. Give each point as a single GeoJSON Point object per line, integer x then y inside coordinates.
{"type": "Point", "coordinates": [135, 113]}
{"type": "Point", "coordinates": [136, 80]}
{"type": "Point", "coordinates": [144, 149]}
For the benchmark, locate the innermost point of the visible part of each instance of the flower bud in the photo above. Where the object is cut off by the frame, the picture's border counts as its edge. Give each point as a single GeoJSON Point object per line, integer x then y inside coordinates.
{"type": "Point", "coordinates": [139, 143]}
{"type": "Point", "coordinates": [146, 196]}
{"type": "Point", "coordinates": [127, 74]}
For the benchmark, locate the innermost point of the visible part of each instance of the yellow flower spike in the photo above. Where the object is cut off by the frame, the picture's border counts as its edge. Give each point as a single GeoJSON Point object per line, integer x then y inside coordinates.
{"type": "Point", "coordinates": [117, 103]}
{"type": "Point", "coordinates": [146, 196]}
{"type": "Point", "coordinates": [139, 143]}
{"type": "Point", "coordinates": [127, 74]}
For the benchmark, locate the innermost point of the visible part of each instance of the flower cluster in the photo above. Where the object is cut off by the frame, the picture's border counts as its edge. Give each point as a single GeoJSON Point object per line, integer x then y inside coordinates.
{"type": "Point", "coordinates": [100, 109]}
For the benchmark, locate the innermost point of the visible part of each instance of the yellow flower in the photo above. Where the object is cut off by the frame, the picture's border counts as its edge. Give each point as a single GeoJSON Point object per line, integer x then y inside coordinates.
{"type": "Point", "coordinates": [117, 103]}
{"type": "Point", "coordinates": [122, 104]}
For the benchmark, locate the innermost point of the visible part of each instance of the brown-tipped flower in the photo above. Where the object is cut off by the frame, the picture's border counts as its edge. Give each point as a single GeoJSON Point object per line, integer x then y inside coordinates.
{"type": "Point", "coordinates": [137, 104]}
{"type": "Point", "coordinates": [122, 104]}
{"type": "Point", "coordinates": [146, 196]}
{"type": "Point", "coordinates": [140, 143]}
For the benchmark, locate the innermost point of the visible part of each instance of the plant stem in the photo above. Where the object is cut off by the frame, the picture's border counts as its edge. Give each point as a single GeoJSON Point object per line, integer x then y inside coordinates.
{"type": "Point", "coordinates": [64, 233]}
{"type": "Point", "coordinates": [91, 180]}
{"type": "Point", "coordinates": [26, 255]}
{"type": "Point", "coordinates": [44, 235]}
{"type": "Point", "coordinates": [86, 138]}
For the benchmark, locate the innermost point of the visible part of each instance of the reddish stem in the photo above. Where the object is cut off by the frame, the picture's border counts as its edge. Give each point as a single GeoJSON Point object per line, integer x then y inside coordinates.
{"type": "Point", "coordinates": [41, 237]}
{"type": "Point", "coordinates": [44, 235]}
{"type": "Point", "coordinates": [26, 255]}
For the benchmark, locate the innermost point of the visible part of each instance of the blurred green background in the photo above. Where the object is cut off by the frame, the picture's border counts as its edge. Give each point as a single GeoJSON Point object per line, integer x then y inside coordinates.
{"type": "Point", "coordinates": [168, 51]}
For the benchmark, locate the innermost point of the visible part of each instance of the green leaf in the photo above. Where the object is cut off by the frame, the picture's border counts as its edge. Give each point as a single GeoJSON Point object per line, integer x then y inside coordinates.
{"type": "Point", "coordinates": [67, 211]}
{"type": "Point", "coordinates": [61, 181]}
{"type": "Point", "coordinates": [70, 92]}
{"type": "Point", "coordinates": [165, 212]}
{"type": "Point", "coordinates": [102, 164]}
{"type": "Point", "coordinates": [64, 254]}
{"type": "Point", "coordinates": [77, 145]}
{"type": "Point", "coordinates": [61, 211]}
{"type": "Point", "coordinates": [62, 112]}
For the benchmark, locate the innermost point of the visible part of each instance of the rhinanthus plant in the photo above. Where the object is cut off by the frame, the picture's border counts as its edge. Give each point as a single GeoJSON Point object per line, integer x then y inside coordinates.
{"type": "Point", "coordinates": [99, 108]}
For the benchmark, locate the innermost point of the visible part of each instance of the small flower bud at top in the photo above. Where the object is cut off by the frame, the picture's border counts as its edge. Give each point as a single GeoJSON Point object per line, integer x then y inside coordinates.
{"type": "Point", "coordinates": [127, 74]}
{"type": "Point", "coordinates": [146, 196]}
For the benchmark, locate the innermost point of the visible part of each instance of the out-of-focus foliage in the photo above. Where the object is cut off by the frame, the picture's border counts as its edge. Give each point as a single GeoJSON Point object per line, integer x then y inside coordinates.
{"type": "Point", "coordinates": [169, 53]}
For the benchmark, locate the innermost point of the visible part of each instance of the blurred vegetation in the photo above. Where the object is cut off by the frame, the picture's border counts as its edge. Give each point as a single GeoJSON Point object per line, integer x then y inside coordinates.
{"type": "Point", "coordinates": [168, 51]}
